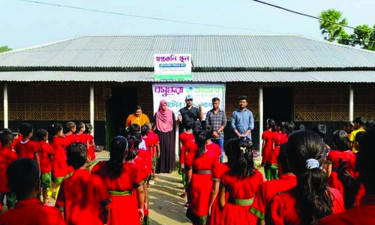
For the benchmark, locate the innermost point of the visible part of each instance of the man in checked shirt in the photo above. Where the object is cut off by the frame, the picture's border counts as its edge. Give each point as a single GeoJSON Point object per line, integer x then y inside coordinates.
{"type": "Point", "coordinates": [217, 120]}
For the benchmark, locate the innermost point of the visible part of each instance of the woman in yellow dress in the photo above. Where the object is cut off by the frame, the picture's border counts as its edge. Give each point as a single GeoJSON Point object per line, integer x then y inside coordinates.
{"type": "Point", "coordinates": [137, 117]}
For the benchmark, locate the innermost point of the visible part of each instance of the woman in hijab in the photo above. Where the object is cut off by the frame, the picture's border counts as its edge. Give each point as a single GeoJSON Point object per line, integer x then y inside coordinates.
{"type": "Point", "coordinates": [164, 126]}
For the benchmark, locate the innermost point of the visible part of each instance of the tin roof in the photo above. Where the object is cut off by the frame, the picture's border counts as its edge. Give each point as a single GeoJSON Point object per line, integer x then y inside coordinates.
{"type": "Point", "coordinates": [209, 53]}
{"type": "Point", "coordinates": [213, 77]}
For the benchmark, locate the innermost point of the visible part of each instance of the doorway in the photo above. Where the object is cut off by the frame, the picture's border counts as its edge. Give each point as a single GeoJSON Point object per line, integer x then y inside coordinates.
{"type": "Point", "coordinates": [119, 106]}
{"type": "Point", "coordinates": [278, 103]}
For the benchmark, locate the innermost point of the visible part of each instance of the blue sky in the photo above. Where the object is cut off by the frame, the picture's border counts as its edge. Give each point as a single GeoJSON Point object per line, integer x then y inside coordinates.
{"type": "Point", "coordinates": [24, 24]}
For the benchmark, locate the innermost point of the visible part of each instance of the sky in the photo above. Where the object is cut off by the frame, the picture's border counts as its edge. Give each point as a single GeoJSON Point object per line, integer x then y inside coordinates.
{"type": "Point", "coordinates": [25, 24]}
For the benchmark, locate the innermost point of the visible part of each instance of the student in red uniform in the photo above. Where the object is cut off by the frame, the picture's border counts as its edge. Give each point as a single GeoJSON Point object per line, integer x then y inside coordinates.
{"type": "Point", "coordinates": [155, 150]}
{"type": "Point", "coordinates": [363, 214]}
{"type": "Point", "coordinates": [123, 180]}
{"type": "Point", "coordinates": [46, 156]}
{"type": "Point", "coordinates": [267, 147]}
{"type": "Point", "coordinates": [214, 211]}
{"type": "Point", "coordinates": [342, 152]}
{"type": "Point", "coordinates": [277, 141]}
{"type": "Point", "coordinates": [60, 168]}
{"type": "Point", "coordinates": [90, 145]}
{"type": "Point", "coordinates": [23, 180]}
{"type": "Point", "coordinates": [312, 196]}
{"type": "Point", "coordinates": [270, 188]}
{"type": "Point", "coordinates": [83, 197]}
{"type": "Point", "coordinates": [27, 148]}
{"type": "Point", "coordinates": [17, 138]}
{"type": "Point", "coordinates": [239, 185]}
{"type": "Point", "coordinates": [184, 138]}
{"type": "Point", "coordinates": [7, 156]}
{"type": "Point", "coordinates": [81, 135]}
{"type": "Point", "coordinates": [199, 176]}
{"type": "Point", "coordinates": [70, 135]}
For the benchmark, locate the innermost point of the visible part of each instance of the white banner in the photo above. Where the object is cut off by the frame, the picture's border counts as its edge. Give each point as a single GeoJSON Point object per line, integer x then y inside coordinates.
{"type": "Point", "coordinates": [175, 93]}
{"type": "Point", "coordinates": [172, 66]}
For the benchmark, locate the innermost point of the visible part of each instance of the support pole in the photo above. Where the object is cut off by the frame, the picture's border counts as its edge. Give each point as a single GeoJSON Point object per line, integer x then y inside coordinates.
{"type": "Point", "coordinates": [92, 107]}
{"type": "Point", "coordinates": [5, 105]}
{"type": "Point", "coordinates": [351, 103]}
{"type": "Point", "coordinates": [260, 120]}
{"type": "Point", "coordinates": [177, 142]}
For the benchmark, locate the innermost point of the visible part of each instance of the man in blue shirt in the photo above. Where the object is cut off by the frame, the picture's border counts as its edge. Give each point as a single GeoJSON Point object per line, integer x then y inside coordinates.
{"type": "Point", "coordinates": [242, 119]}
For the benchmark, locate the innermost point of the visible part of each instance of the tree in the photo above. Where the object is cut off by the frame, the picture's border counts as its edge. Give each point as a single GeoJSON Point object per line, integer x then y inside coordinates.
{"type": "Point", "coordinates": [4, 49]}
{"type": "Point", "coordinates": [332, 24]}
{"type": "Point", "coordinates": [362, 35]}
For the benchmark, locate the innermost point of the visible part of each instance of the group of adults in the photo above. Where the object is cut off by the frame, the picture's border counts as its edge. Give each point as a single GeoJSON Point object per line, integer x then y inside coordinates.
{"type": "Point", "coordinates": [164, 124]}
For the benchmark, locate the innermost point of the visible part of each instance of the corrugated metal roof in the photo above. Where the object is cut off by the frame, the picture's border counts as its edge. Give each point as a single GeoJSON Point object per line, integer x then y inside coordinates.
{"type": "Point", "coordinates": [210, 77]}
{"type": "Point", "coordinates": [213, 51]}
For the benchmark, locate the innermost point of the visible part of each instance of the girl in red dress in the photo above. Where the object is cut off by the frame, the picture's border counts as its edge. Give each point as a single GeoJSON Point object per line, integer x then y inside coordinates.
{"type": "Point", "coordinates": [277, 141]}
{"type": "Point", "coordinates": [200, 176]}
{"type": "Point", "coordinates": [184, 138]}
{"type": "Point", "coordinates": [81, 135]}
{"type": "Point", "coordinates": [90, 146]}
{"type": "Point", "coordinates": [342, 152]}
{"type": "Point", "coordinates": [58, 143]}
{"type": "Point", "coordinates": [155, 150]}
{"type": "Point", "coordinates": [215, 212]}
{"type": "Point", "coordinates": [70, 136]}
{"type": "Point", "coordinates": [123, 180]}
{"type": "Point", "coordinates": [239, 185]}
{"type": "Point", "coordinates": [311, 199]}
{"type": "Point", "coordinates": [267, 146]}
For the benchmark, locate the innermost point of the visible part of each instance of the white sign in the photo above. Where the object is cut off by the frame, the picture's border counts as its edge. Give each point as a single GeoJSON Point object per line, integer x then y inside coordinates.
{"type": "Point", "coordinates": [175, 93]}
{"type": "Point", "coordinates": [172, 66]}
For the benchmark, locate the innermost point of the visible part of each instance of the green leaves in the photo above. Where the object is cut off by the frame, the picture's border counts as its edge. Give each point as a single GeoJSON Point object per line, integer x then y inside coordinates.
{"type": "Point", "coordinates": [4, 49]}
{"type": "Point", "coordinates": [332, 26]}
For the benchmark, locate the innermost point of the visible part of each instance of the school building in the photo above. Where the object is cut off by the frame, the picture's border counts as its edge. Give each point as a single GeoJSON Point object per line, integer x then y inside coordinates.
{"type": "Point", "coordinates": [101, 78]}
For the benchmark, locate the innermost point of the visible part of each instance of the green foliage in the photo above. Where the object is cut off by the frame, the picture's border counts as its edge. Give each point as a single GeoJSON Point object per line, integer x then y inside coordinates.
{"type": "Point", "coordinates": [332, 27]}
{"type": "Point", "coordinates": [331, 24]}
{"type": "Point", "coordinates": [4, 49]}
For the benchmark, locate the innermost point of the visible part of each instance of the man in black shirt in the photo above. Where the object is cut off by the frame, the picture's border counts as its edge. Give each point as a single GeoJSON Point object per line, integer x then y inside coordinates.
{"type": "Point", "coordinates": [189, 112]}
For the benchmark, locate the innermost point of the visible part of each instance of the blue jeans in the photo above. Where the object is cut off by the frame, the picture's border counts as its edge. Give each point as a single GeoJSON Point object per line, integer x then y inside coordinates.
{"type": "Point", "coordinates": [219, 141]}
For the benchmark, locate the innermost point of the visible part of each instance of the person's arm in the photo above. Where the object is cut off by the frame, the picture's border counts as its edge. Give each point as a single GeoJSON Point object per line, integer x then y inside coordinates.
{"type": "Point", "coordinates": [141, 198]}
{"type": "Point", "coordinates": [200, 112]}
{"type": "Point", "coordinates": [222, 196]}
{"type": "Point", "coordinates": [214, 192]}
{"type": "Point", "coordinates": [251, 124]}
{"type": "Point", "coordinates": [233, 123]}
{"type": "Point", "coordinates": [128, 121]}
{"type": "Point", "coordinates": [223, 123]}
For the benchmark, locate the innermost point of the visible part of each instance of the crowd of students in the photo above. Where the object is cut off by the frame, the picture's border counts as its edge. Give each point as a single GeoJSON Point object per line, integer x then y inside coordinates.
{"type": "Point", "coordinates": [308, 182]}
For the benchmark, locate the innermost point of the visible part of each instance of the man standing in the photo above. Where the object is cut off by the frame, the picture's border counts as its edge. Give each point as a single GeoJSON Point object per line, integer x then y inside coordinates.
{"type": "Point", "coordinates": [217, 120]}
{"type": "Point", "coordinates": [189, 112]}
{"type": "Point", "coordinates": [242, 119]}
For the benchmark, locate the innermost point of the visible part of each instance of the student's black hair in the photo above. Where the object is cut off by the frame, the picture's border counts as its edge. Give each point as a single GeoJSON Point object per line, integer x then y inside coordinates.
{"type": "Point", "coordinates": [215, 99]}
{"type": "Point", "coordinates": [134, 128]}
{"type": "Point", "coordinates": [26, 129]}
{"type": "Point", "coordinates": [138, 107]}
{"type": "Point", "coordinates": [242, 157]}
{"type": "Point", "coordinates": [282, 160]}
{"type": "Point", "coordinates": [242, 97]}
{"type": "Point", "coordinates": [70, 125]}
{"type": "Point", "coordinates": [88, 128]}
{"type": "Point", "coordinates": [23, 177]}
{"type": "Point", "coordinates": [144, 130]}
{"type": "Point", "coordinates": [320, 129]}
{"type": "Point", "coordinates": [53, 129]}
{"type": "Point", "coordinates": [359, 120]}
{"type": "Point", "coordinates": [209, 131]}
{"type": "Point", "coordinates": [40, 134]}
{"type": "Point", "coordinates": [341, 140]}
{"type": "Point", "coordinates": [117, 153]}
{"type": "Point", "coordinates": [133, 144]}
{"type": "Point", "coordinates": [188, 124]}
{"type": "Point", "coordinates": [80, 125]}
{"type": "Point", "coordinates": [348, 124]}
{"type": "Point", "coordinates": [288, 128]}
{"type": "Point", "coordinates": [200, 140]}
{"type": "Point", "coordinates": [313, 196]}
{"type": "Point", "coordinates": [76, 154]}
{"type": "Point", "coordinates": [364, 163]}
{"type": "Point", "coordinates": [6, 137]}
{"type": "Point", "coordinates": [270, 123]}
